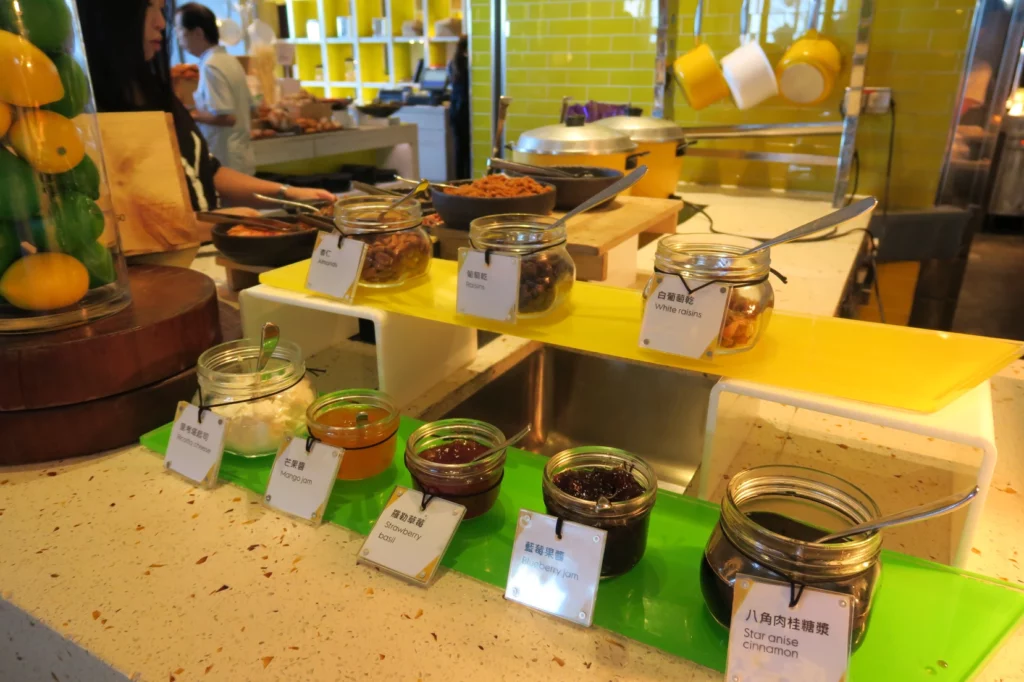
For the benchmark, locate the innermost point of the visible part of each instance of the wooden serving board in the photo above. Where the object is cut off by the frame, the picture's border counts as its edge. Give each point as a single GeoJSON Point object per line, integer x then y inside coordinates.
{"type": "Point", "coordinates": [31, 436]}
{"type": "Point", "coordinates": [173, 318]}
{"type": "Point", "coordinates": [602, 243]}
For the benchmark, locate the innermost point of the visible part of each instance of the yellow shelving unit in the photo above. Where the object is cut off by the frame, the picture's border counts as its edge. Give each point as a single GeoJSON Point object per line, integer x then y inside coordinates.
{"type": "Point", "coordinates": [379, 62]}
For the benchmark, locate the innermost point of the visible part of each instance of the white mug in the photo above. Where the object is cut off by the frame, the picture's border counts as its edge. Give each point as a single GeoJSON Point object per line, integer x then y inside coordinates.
{"type": "Point", "coordinates": [750, 75]}
{"type": "Point", "coordinates": [343, 24]}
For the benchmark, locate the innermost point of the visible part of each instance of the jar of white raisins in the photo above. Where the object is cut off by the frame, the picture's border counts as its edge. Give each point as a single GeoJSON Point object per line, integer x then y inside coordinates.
{"type": "Point", "coordinates": [750, 300]}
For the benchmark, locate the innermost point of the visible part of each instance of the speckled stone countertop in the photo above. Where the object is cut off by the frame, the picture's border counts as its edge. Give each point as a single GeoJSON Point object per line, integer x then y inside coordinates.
{"type": "Point", "coordinates": [167, 582]}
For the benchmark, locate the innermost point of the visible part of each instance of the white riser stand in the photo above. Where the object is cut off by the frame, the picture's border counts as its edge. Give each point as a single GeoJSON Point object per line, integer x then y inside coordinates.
{"type": "Point", "coordinates": [413, 354]}
{"type": "Point", "coordinates": [966, 425]}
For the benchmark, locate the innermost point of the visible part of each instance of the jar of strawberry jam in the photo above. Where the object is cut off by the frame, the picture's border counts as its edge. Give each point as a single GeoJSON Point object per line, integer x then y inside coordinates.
{"type": "Point", "coordinates": [605, 488]}
{"type": "Point", "coordinates": [362, 421]}
{"type": "Point", "coordinates": [443, 458]}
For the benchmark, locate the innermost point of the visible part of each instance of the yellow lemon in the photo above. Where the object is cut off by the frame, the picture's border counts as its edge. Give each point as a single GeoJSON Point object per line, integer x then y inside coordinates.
{"type": "Point", "coordinates": [48, 141]}
{"type": "Point", "coordinates": [44, 281]}
{"type": "Point", "coordinates": [30, 77]}
{"type": "Point", "coordinates": [5, 118]}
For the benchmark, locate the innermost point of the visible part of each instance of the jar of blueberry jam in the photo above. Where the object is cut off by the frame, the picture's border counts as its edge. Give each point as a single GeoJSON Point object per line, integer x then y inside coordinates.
{"type": "Point", "coordinates": [771, 519]}
{"type": "Point", "coordinates": [604, 488]}
{"type": "Point", "coordinates": [443, 458]}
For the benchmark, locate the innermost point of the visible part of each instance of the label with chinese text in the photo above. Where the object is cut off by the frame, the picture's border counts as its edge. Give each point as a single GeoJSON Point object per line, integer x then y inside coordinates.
{"type": "Point", "coordinates": [409, 537]}
{"type": "Point", "coordinates": [556, 576]}
{"type": "Point", "coordinates": [772, 642]}
{"type": "Point", "coordinates": [300, 481]}
{"type": "Point", "coordinates": [683, 323]}
{"type": "Point", "coordinates": [196, 446]}
{"type": "Point", "coordinates": [334, 268]}
{"type": "Point", "coordinates": [489, 291]}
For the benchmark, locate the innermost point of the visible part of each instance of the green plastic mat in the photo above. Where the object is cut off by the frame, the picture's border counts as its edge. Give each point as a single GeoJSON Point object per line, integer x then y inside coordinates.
{"type": "Point", "coordinates": [930, 622]}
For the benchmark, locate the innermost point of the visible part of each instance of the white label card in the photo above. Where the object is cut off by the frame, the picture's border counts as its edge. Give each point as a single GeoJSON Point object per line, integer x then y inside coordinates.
{"type": "Point", "coordinates": [410, 539]}
{"type": "Point", "coordinates": [334, 270]}
{"type": "Point", "coordinates": [769, 641]}
{"type": "Point", "coordinates": [301, 482]}
{"type": "Point", "coordinates": [556, 576]}
{"type": "Point", "coordinates": [683, 323]}
{"type": "Point", "coordinates": [196, 447]}
{"type": "Point", "coordinates": [488, 291]}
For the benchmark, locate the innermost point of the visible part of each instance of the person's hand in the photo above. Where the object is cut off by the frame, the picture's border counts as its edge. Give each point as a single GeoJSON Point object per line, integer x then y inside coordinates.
{"type": "Point", "coordinates": [309, 194]}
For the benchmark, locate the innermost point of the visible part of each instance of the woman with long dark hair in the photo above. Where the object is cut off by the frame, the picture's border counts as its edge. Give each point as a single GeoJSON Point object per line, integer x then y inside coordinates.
{"type": "Point", "coordinates": [130, 68]}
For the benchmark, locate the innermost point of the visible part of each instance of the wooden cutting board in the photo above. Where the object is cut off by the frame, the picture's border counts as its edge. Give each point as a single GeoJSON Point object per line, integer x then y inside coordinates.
{"type": "Point", "coordinates": [173, 318]}
{"type": "Point", "coordinates": [597, 232]}
{"type": "Point", "coordinates": [147, 182]}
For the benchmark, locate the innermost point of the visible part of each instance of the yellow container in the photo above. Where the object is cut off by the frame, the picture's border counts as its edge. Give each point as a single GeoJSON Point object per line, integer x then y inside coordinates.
{"type": "Point", "coordinates": [807, 71]}
{"type": "Point", "coordinates": [701, 77]}
{"type": "Point", "coordinates": [663, 144]}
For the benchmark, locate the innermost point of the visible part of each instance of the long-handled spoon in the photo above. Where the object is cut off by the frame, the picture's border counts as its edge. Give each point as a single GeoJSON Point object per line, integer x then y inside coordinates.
{"type": "Point", "coordinates": [287, 202]}
{"type": "Point", "coordinates": [819, 224]}
{"type": "Point", "coordinates": [919, 513]}
{"type": "Point", "coordinates": [421, 186]}
{"type": "Point", "coordinates": [269, 337]}
{"type": "Point", "coordinates": [604, 195]}
{"type": "Point", "coordinates": [509, 442]}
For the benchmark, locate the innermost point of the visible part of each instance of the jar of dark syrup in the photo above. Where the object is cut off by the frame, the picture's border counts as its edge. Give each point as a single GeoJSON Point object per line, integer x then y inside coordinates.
{"type": "Point", "coordinates": [770, 521]}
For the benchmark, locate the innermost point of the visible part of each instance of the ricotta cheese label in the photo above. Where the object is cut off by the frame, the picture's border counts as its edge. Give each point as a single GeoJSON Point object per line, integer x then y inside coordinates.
{"type": "Point", "coordinates": [196, 445]}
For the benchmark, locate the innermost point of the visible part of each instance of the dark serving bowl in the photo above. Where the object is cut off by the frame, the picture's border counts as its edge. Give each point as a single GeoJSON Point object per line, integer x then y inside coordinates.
{"type": "Point", "coordinates": [574, 191]}
{"type": "Point", "coordinates": [379, 110]}
{"type": "Point", "coordinates": [271, 251]}
{"type": "Point", "coordinates": [458, 211]}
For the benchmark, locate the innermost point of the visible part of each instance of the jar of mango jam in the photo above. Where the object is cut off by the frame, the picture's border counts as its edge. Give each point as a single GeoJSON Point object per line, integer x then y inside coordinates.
{"type": "Point", "coordinates": [364, 423]}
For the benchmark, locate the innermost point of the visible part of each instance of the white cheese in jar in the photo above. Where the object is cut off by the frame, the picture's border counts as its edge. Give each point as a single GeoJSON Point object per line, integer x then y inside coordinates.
{"type": "Point", "coordinates": [260, 426]}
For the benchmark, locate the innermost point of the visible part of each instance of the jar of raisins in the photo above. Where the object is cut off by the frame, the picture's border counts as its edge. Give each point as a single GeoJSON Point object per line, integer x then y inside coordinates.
{"type": "Point", "coordinates": [771, 517]}
{"type": "Point", "coordinates": [750, 300]}
{"type": "Point", "coordinates": [604, 488]}
{"type": "Point", "coordinates": [443, 458]}
{"type": "Point", "coordinates": [398, 249]}
{"type": "Point", "coordinates": [546, 270]}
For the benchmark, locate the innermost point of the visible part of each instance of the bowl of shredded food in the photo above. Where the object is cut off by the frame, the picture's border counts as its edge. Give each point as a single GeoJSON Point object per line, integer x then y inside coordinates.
{"type": "Point", "coordinates": [468, 200]}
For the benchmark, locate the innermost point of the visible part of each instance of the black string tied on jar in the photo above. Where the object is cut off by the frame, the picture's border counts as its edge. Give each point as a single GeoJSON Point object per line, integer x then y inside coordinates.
{"type": "Point", "coordinates": [746, 283]}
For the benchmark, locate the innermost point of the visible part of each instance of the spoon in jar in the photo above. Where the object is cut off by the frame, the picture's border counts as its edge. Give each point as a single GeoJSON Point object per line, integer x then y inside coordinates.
{"type": "Point", "coordinates": [938, 507]}
{"type": "Point", "coordinates": [818, 224]}
{"type": "Point", "coordinates": [509, 442]}
{"type": "Point", "coordinates": [421, 186]}
{"type": "Point", "coordinates": [269, 337]}
{"type": "Point", "coordinates": [604, 195]}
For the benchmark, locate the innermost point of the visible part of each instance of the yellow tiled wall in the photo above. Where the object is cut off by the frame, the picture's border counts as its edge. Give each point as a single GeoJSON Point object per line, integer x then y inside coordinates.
{"type": "Point", "coordinates": [604, 50]}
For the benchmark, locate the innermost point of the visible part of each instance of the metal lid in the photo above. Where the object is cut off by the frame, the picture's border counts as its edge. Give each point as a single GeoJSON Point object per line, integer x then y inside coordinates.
{"type": "Point", "coordinates": [574, 137]}
{"type": "Point", "coordinates": [645, 128]}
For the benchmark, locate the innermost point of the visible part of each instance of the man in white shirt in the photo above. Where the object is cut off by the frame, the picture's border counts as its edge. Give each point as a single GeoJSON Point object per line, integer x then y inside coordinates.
{"type": "Point", "coordinates": [223, 103]}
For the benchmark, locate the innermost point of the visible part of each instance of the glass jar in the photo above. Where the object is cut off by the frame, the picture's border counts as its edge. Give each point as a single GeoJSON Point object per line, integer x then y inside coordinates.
{"type": "Point", "coordinates": [261, 408]}
{"type": "Point", "coordinates": [771, 516]}
{"type": "Point", "coordinates": [597, 475]}
{"type": "Point", "coordinates": [60, 254]}
{"type": "Point", "coordinates": [362, 421]}
{"type": "Point", "coordinates": [546, 270]}
{"type": "Point", "coordinates": [751, 299]}
{"type": "Point", "coordinates": [441, 458]}
{"type": "Point", "coordinates": [398, 249]}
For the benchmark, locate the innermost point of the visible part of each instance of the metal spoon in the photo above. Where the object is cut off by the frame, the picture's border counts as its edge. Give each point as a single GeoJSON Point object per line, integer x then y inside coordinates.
{"type": "Point", "coordinates": [269, 337]}
{"type": "Point", "coordinates": [919, 513]}
{"type": "Point", "coordinates": [286, 202]}
{"type": "Point", "coordinates": [499, 128]}
{"type": "Point", "coordinates": [604, 195]}
{"type": "Point", "coordinates": [443, 185]}
{"type": "Point", "coordinates": [421, 186]}
{"type": "Point", "coordinates": [826, 221]}
{"type": "Point", "coordinates": [528, 169]}
{"type": "Point", "coordinates": [501, 446]}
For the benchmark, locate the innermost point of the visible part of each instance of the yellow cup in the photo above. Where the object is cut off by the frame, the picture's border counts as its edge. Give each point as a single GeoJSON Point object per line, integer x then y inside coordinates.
{"type": "Point", "coordinates": [807, 71]}
{"type": "Point", "coordinates": [701, 77]}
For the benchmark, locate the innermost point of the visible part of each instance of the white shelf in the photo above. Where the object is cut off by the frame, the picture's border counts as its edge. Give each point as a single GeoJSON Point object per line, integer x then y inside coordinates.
{"type": "Point", "coordinates": [410, 40]}
{"type": "Point", "coordinates": [444, 39]}
{"type": "Point", "coordinates": [313, 84]}
{"type": "Point", "coordinates": [300, 41]}
{"type": "Point", "coordinates": [339, 41]}
{"type": "Point", "coordinates": [379, 84]}
{"type": "Point", "coordinates": [374, 39]}
{"type": "Point", "coordinates": [343, 84]}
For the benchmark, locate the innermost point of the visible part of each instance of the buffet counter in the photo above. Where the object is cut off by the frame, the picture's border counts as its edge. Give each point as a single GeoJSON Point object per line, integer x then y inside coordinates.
{"type": "Point", "coordinates": [396, 146]}
{"type": "Point", "coordinates": [161, 581]}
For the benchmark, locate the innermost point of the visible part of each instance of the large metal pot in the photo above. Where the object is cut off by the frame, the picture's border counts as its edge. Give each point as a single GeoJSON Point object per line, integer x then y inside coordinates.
{"type": "Point", "coordinates": [665, 145]}
{"type": "Point", "coordinates": [575, 143]}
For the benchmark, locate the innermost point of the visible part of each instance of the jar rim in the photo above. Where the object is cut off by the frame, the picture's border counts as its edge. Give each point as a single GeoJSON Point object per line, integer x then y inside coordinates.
{"type": "Point", "coordinates": [516, 232]}
{"type": "Point", "coordinates": [353, 397]}
{"type": "Point", "coordinates": [702, 259]}
{"type": "Point", "coordinates": [347, 210]}
{"type": "Point", "coordinates": [211, 363]}
{"type": "Point", "coordinates": [472, 428]}
{"type": "Point", "coordinates": [563, 461]}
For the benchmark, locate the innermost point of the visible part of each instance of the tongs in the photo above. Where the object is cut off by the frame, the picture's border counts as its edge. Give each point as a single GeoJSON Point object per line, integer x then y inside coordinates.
{"type": "Point", "coordinates": [254, 222]}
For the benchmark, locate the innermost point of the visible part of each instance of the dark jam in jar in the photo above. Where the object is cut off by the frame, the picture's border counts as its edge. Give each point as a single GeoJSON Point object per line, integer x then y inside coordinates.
{"type": "Point", "coordinates": [627, 534]}
{"type": "Point", "coordinates": [721, 553]}
{"type": "Point", "coordinates": [459, 451]}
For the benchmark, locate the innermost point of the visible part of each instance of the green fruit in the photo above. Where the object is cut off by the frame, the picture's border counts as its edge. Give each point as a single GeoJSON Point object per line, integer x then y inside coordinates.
{"type": "Point", "coordinates": [78, 221]}
{"type": "Point", "coordinates": [97, 260]}
{"type": "Point", "coordinates": [76, 87]}
{"type": "Point", "coordinates": [45, 23]}
{"type": "Point", "coordinates": [19, 196]}
{"type": "Point", "coordinates": [10, 251]}
{"type": "Point", "coordinates": [84, 178]}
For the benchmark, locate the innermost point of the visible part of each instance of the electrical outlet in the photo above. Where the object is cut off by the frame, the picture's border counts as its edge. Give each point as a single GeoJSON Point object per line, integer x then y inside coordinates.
{"type": "Point", "coordinates": [868, 100]}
